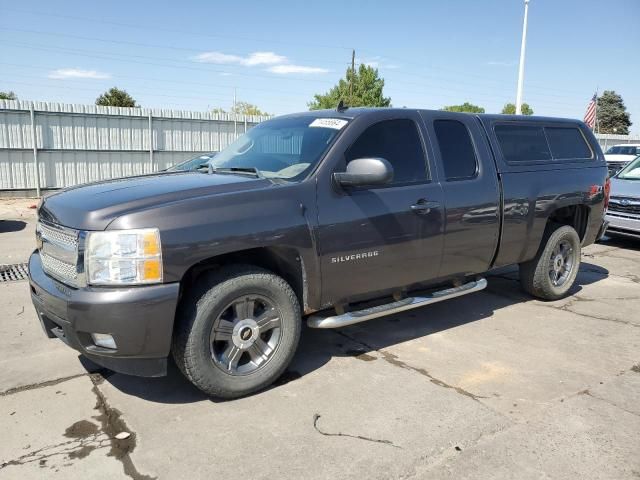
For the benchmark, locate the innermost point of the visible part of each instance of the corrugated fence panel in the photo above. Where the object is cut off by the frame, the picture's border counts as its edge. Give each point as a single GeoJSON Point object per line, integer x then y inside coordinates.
{"type": "Point", "coordinates": [84, 143]}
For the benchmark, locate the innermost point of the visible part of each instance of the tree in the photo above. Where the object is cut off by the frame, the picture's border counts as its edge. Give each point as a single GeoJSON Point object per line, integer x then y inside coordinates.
{"type": "Point", "coordinates": [510, 109]}
{"type": "Point", "coordinates": [612, 114]}
{"type": "Point", "coordinates": [362, 88]}
{"type": "Point", "coordinates": [115, 97]}
{"type": "Point", "coordinates": [8, 96]}
{"type": "Point", "coordinates": [465, 107]}
{"type": "Point", "coordinates": [242, 108]}
{"type": "Point", "coordinates": [246, 108]}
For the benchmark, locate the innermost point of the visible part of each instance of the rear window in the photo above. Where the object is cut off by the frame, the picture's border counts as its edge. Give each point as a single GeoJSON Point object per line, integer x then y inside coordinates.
{"type": "Point", "coordinates": [523, 143]}
{"type": "Point", "coordinates": [533, 143]}
{"type": "Point", "coordinates": [456, 149]}
{"type": "Point", "coordinates": [567, 143]}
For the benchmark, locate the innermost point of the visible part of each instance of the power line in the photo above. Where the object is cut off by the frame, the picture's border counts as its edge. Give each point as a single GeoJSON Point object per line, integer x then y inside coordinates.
{"type": "Point", "coordinates": [157, 28]}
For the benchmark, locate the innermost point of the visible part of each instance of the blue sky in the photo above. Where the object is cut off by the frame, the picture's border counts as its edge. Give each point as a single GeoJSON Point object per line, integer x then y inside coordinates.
{"type": "Point", "coordinates": [191, 55]}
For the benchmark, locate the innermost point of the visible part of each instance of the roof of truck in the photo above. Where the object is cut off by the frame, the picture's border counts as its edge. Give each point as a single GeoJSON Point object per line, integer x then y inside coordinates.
{"type": "Point", "coordinates": [350, 113]}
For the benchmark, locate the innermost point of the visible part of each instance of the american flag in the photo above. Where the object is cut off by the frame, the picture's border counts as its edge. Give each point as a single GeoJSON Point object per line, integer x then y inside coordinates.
{"type": "Point", "coordinates": [590, 115]}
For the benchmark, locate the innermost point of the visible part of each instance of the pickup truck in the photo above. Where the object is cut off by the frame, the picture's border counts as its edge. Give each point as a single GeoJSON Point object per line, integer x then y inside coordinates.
{"type": "Point", "coordinates": [336, 217]}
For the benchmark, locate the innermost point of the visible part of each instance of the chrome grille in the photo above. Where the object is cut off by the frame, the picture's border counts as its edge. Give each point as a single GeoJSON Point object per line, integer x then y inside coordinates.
{"type": "Point", "coordinates": [58, 269]}
{"type": "Point", "coordinates": [625, 205]}
{"type": "Point", "coordinates": [68, 239]}
{"type": "Point", "coordinates": [58, 248]}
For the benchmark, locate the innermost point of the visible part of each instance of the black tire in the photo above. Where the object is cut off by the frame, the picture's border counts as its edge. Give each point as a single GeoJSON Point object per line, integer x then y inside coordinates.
{"type": "Point", "coordinates": [536, 274]}
{"type": "Point", "coordinates": [206, 304]}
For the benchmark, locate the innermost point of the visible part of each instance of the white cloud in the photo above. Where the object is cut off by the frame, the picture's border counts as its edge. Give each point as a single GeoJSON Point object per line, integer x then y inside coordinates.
{"type": "Point", "coordinates": [377, 62]}
{"type": "Point", "coordinates": [287, 68]}
{"type": "Point", "coordinates": [251, 60]}
{"type": "Point", "coordinates": [64, 73]}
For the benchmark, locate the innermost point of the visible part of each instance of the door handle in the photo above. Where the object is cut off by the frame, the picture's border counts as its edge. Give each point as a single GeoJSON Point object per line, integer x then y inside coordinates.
{"type": "Point", "coordinates": [423, 207]}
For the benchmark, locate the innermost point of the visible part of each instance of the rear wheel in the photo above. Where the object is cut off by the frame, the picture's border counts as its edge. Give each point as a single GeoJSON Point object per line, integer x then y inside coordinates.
{"type": "Point", "coordinates": [553, 271]}
{"type": "Point", "coordinates": [238, 332]}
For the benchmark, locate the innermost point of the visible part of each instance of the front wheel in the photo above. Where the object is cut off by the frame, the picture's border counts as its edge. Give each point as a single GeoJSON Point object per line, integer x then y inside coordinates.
{"type": "Point", "coordinates": [552, 272]}
{"type": "Point", "coordinates": [238, 332]}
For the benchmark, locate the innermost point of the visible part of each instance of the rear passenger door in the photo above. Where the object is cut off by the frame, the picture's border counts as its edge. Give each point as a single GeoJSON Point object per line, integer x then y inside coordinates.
{"type": "Point", "coordinates": [469, 181]}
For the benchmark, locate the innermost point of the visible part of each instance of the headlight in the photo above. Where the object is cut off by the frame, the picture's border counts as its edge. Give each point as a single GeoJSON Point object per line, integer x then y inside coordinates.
{"type": "Point", "coordinates": [123, 257]}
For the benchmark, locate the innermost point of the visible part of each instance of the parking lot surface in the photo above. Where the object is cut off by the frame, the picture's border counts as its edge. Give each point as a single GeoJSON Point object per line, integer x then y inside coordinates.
{"type": "Point", "coordinates": [491, 385]}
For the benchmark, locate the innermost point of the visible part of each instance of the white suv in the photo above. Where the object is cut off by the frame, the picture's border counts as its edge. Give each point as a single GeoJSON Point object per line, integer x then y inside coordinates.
{"type": "Point", "coordinates": [619, 156]}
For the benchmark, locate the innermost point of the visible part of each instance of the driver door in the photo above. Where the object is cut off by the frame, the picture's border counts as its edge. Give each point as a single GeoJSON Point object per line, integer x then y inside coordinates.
{"type": "Point", "coordinates": [380, 239]}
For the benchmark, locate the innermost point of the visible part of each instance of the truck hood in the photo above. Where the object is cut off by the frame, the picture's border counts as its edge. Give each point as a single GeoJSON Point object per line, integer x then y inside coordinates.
{"type": "Point", "coordinates": [614, 157]}
{"type": "Point", "coordinates": [625, 188]}
{"type": "Point", "coordinates": [96, 205]}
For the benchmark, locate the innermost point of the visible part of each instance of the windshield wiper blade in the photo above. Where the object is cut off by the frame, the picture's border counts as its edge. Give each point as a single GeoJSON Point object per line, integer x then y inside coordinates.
{"type": "Point", "coordinates": [239, 170]}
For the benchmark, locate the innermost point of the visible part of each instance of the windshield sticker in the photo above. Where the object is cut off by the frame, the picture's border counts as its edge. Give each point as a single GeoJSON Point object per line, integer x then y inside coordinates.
{"type": "Point", "coordinates": [335, 123]}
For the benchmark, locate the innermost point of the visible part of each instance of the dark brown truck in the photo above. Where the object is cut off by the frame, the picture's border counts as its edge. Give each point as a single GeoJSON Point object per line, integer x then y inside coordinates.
{"type": "Point", "coordinates": [335, 217]}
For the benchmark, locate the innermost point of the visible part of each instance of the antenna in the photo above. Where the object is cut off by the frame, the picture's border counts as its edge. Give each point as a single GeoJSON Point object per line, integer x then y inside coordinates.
{"type": "Point", "coordinates": [341, 106]}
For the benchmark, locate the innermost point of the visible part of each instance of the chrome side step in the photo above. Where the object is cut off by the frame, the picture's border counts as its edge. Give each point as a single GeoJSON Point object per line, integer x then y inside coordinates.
{"type": "Point", "coordinates": [317, 321]}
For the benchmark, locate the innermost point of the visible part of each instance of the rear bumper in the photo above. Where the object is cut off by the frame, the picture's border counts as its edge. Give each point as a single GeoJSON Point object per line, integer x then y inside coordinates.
{"type": "Point", "coordinates": [140, 319]}
{"type": "Point", "coordinates": [623, 224]}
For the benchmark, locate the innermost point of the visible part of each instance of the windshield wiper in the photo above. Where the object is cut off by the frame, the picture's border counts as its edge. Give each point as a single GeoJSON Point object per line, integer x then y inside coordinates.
{"type": "Point", "coordinates": [239, 170]}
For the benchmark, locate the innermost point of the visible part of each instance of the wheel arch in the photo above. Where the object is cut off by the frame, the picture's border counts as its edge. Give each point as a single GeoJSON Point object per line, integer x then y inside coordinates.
{"type": "Point", "coordinates": [285, 262]}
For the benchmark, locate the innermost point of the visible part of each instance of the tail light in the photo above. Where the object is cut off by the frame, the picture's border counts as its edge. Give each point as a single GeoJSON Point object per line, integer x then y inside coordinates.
{"type": "Point", "coordinates": [607, 192]}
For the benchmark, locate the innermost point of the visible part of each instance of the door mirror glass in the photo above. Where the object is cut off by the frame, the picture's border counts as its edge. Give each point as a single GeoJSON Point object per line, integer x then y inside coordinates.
{"type": "Point", "coordinates": [363, 172]}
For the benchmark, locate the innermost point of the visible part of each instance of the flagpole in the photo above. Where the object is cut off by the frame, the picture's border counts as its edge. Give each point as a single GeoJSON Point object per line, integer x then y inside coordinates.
{"type": "Point", "coordinates": [523, 47]}
{"type": "Point", "coordinates": [596, 127]}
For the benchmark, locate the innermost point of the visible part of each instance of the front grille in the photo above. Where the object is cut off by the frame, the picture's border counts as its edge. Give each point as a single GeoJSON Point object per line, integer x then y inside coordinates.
{"type": "Point", "coordinates": [625, 205]}
{"type": "Point", "coordinates": [68, 238]}
{"type": "Point", "coordinates": [58, 248]}
{"type": "Point", "coordinates": [58, 269]}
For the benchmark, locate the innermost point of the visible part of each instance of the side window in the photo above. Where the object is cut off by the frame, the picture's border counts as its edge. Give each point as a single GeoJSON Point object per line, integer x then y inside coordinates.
{"type": "Point", "coordinates": [523, 143]}
{"type": "Point", "coordinates": [456, 149]}
{"type": "Point", "coordinates": [398, 142]}
{"type": "Point", "coordinates": [567, 143]}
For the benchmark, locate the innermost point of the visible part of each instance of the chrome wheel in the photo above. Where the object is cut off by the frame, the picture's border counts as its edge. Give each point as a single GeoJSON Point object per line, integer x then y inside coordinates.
{"type": "Point", "coordinates": [245, 335]}
{"type": "Point", "coordinates": [561, 263]}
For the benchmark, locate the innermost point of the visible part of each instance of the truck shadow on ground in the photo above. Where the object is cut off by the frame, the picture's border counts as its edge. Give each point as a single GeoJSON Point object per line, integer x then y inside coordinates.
{"type": "Point", "coordinates": [317, 347]}
{"type": "Point", "coordinates": [9, 226]}
{"type": "Point", "coordinates": [621, 242]}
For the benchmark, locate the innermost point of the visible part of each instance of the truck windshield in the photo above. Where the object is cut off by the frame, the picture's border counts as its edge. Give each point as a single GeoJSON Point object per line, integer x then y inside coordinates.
{"type": "Point", "coordinates": [631, 171]}
{"type": "Point", "coordinates": [623, 150]}
{"type": "Point", "coordinates": [285, 148]}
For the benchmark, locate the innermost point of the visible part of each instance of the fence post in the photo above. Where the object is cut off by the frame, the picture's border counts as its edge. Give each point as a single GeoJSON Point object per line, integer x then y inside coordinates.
{"type": "Point", "coordinates": [151, 140]}
{"type": "Point", "coordinates": [34, 142]}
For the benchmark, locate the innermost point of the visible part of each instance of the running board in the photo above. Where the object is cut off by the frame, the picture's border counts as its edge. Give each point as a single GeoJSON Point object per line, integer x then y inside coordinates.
{"type": "Point", "coordinates": [335, 321]}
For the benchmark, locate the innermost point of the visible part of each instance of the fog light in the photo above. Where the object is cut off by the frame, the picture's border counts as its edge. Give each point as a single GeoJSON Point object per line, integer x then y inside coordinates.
{"type": "Point", "coordinates": [104, 340]}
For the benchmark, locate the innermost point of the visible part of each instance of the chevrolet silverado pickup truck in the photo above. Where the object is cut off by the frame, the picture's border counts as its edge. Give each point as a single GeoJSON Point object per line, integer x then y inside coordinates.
{"type": "Point", "coordinates": [335, 217]}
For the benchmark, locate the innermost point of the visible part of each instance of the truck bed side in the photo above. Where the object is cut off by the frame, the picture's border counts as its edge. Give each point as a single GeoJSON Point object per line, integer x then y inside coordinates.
{"type": "Point", "coordinates": [537, 193]}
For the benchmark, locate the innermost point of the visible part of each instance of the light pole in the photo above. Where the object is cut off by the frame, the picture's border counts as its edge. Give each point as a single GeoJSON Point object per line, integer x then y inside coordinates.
{"type": "Point", "coordinates": [523, 47]}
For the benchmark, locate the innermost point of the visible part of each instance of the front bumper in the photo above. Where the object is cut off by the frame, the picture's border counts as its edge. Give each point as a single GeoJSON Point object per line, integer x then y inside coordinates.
{"type": "Point", "coordinates": [623, 224]}
{"type": "Point", "coordinates": [140, 319]}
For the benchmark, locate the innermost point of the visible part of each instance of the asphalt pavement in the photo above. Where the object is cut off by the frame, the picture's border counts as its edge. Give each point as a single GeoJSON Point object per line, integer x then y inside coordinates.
{"type": "Point", "coordinates": [492, 385]}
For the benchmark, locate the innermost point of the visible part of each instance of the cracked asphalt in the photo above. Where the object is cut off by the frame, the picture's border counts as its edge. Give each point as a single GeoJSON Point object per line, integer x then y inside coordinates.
{"type": "Point", "coordinates": [492, 385]}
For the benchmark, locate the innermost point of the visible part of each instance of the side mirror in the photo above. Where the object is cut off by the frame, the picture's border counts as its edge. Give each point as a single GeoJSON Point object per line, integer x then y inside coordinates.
{"type": "Point", "coordinates": [363, 172]}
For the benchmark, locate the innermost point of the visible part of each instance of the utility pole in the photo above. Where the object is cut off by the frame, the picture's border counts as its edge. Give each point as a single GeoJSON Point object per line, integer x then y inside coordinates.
{"type": "Point", "coordinates": [353, 72]}
{"type": "Point", "coordinates": [522, 51]}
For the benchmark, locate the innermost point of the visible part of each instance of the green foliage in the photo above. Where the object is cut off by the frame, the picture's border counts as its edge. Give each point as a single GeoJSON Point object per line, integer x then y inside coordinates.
{"type": "Point", "coordinates": [245, 108]}
{"type": "Point", "coordinates": [612, 114]}
{"type": "Point", "coordinates": [242, 108]}
{"type": "Point", "coordinates": [8, 96]}
{"type": "Point", "coordinates": [510, 109]}
{"type": "Point", "coordinates": [367, 91]}
{"type": "Point", "coordinates": [115, 97]}
{"type": "Point", "coordinates": [465, 107]}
